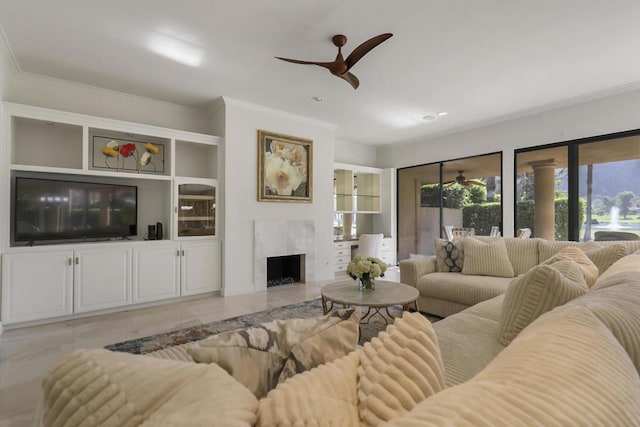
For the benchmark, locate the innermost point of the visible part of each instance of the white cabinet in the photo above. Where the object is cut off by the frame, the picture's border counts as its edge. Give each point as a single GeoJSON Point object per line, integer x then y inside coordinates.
{"type": "Point", "coordinates": [37, 285]}
{"type": "Point", "coordinates": [169, 270]}
{"type": "Point", "coordinates": [388, 251]}
{"type": "Point", "coordinates": [101, 278]}
{"type": "Point", "coordinates": [156, 272]}
{"type": "Point", "coordinates": [342, 255]}
{"type": "Point", "coordinates": [200, 267]}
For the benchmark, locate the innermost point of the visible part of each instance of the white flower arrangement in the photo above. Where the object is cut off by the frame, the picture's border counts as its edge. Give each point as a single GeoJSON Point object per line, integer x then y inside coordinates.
{"type": "Point", "coordinates": [366, 269]}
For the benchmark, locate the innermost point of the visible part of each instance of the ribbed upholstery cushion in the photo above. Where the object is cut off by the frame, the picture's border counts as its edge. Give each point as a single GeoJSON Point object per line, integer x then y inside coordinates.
{"type": "Point", "coordinates": [176, 352]}
{"type": "Point", "coordinates": [327, 392]}
{"type": "Point", "coordinates": [486, 258]}
{"type": "Point", "coordinates": [100, 387]}
{"type": "Point", "coordinates": [605, 256]}
{"type": "Point", "coordinates": [575, 254]}
{"type": "Point", "coordinates": [523, 253]}
{"type": "Point", "coordinates": [546, 248]}
{"type": "Point", "coordinates": [469, 340]}
{"type": "Point", "coordinates": [461, 288]}
{"type": "Point", "coordinates": [541, 289]}
{"type": "Point", "coordinates": [398, 369]}
{"type": "Point", "coordinates": [566, 369]}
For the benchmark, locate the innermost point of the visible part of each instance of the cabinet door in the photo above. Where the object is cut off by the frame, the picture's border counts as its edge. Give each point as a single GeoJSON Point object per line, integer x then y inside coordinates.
{"type": "Point", "coordinates": [102, 278]}
{"type": "Point", "coordinates": [156, 272]}
{"type": "Point", "coordinates": [195, 207]}
{"type": "Point", "coordinates": [36, 285]}
{"type": "Point", "coordinates": [200, 267]}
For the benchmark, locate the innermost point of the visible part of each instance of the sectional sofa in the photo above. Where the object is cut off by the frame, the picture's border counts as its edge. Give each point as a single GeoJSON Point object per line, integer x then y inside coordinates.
{"type": "Point", "coordinates": [570, 359]}
{"type": "Point", "coordinates": [468, 271]}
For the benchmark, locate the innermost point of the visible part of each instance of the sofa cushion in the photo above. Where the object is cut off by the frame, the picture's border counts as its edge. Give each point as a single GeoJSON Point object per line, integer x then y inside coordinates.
{"type": "Point", "coordinates": [262, 356]}
{"type": "Point", "coordinates": [462, 289]}
{"type": "Point", "coordinates": [575, 254]}
{"type": "Point", "coordinates": [566, 369]}
{"type": "Point", "coordinates": [101, 387]}
{"type": "Point", "coordinates": [449, 254]}
{"type": "Point", "coordinates": [486, 258]}
{"type": "Point", "coordinates": [469, 340]}
{"type": "Point", "coordinates": [384, 379]}
{"type": "Point", "coordinates": [604, 257]}
{"type": "Point", "coordinates": [541, 289]}
{"type": "Point", "coordinates": [523, 253]}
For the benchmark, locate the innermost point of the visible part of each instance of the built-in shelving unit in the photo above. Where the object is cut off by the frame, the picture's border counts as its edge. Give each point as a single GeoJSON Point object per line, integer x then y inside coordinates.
{"type": "Point", "coordinates": [360, 206]}
{"type": "Point", "coordinates": [175, 173]}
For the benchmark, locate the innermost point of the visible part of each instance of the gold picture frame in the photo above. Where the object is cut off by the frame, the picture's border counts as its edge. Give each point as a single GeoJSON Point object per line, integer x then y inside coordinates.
{"type": "Point", "coordinates": [284, 168]}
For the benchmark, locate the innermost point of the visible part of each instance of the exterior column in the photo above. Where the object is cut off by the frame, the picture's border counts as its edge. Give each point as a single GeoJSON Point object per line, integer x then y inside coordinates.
{"type": "Point", "coordinates": [544, 216]}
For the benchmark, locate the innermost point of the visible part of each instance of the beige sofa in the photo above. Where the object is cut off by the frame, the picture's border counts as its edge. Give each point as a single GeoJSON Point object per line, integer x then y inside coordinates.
{"type": "Point", "coordinates": [575, 365]}
{"type": "Point", "coordinates": [447, 293]}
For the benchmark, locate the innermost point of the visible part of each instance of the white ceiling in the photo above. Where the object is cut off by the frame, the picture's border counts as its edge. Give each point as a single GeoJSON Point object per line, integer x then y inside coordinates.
{"type": "Point", "coordinates": [481, 61]}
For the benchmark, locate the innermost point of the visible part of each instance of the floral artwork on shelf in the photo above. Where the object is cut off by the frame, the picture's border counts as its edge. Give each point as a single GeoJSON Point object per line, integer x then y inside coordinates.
{"type": "Point", "coordinates": [128, 156]}
{"type": "Point", "coordinates": [284, 168]}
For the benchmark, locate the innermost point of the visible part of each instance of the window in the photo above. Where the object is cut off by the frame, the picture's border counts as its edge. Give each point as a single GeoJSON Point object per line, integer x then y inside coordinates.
{"type": "Point", "coordinates": [580, 190]}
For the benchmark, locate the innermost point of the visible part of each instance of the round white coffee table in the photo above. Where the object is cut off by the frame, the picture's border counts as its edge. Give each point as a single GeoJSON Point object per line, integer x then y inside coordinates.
{"type": "Point", "coordinates": [384, 295]}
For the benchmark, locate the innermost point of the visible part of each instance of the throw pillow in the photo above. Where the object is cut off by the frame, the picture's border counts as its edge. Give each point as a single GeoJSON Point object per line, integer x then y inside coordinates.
{"type": "Point", "coordinates": [486, 258]}
{"type": "Point", "coordinates": [399, 368]}
{"type": "Point", "coordinates": [606, 256]}
{"type": "Point", "coordinates": [574, 253]}
{"type": "Point", "coordinates": [449, 254]}
{"type": "Point", "coordinates": [261, 356]}
{"type": "Point", "coordinates": [101, 387]}
{"type": "Point", "coordinates": [541, 289]}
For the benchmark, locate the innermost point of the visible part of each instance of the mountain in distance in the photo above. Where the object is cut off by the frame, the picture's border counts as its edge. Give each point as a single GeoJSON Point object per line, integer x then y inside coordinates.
{"type": "Point", "coordinates": [609, 179]}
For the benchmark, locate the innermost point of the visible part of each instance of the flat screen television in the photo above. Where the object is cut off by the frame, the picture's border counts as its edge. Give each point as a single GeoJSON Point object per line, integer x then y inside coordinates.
{"type": "Point", "coordinates": [47, 209]}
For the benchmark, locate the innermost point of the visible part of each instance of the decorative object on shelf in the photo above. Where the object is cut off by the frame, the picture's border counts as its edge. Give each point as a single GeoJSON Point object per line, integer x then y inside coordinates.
{"type": "Point", "coordinates": [284, 168]}
{"type": "Point", "coordinates": [125, 155]}
{"type": "Point", "coordinates": [366, 269]}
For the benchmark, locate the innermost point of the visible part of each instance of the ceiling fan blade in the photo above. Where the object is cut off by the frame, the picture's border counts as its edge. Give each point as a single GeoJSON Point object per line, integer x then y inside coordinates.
{"type": "Point", "coordinates": [448, 185]}
{"type": "Point", "coordinates": [326, 65]}
{"type": "Point", "coordinates": [474, 182]}
{"type": "Point", "coordinates": [351, 79]}
{"type": "Point", "coordinates": [364, 48]}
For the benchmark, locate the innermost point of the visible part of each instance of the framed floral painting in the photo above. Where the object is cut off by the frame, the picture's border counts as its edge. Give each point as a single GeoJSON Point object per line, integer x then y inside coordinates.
{"type": "Point", "coordinates": [284, 168]}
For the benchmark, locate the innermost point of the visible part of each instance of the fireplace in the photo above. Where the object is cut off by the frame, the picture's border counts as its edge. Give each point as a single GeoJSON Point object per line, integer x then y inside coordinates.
{"type": "Point", "coordinates": [283, 270]}
{"type": "Point", "coordinates": [282, 238]}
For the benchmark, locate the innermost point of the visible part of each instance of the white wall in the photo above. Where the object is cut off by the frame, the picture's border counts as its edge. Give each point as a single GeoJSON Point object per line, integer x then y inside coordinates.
{"type": "Point", "coordinates": [39, 91]}
{"type": "Point", "coordinates": [602, 116]}
{"type": "Point", "coordinates": [355, 153]}
{"type": "Point", "coordinates": [241, 208]}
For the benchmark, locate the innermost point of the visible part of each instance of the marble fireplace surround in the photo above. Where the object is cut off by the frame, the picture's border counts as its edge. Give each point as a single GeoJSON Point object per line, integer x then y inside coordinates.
{"type": "Point", "coordinates": [279, 238]}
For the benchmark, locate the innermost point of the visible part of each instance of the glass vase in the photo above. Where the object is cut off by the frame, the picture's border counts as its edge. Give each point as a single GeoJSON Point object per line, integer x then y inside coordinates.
{"type": "Point", "coordinates": [367, 283]}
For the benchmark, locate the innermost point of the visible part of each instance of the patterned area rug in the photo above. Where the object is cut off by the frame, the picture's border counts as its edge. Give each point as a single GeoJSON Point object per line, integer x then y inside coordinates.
{"type": "Point", "coordinates": [304, 309]}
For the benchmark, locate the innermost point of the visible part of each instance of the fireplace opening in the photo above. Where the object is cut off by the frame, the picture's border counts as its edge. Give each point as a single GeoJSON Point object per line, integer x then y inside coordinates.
{"type": "Point", "coordinates": [283, 270]}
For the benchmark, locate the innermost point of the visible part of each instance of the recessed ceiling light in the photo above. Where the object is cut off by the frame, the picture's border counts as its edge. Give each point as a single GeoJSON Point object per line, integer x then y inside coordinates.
{"type": "Point", "coordinates": [442, 113]}
{"type": "Point", "coordinates": [429, 118]}
{"type": "Point", "coordinates": [317, 98]}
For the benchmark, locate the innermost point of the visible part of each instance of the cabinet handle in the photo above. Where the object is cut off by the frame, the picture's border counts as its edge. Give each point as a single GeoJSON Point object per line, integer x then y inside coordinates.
{"type": "Point", "coordinates": [178, 252]}
{"type": "Point", "coordinates": [183, 252]}
{"type": "Point", "coordinates": [69, 261]}
{"type": "Point", "coordinates": [77, 260]}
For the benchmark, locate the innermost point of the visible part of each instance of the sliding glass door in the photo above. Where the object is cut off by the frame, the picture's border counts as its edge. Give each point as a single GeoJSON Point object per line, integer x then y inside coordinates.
{"type": "Point", "coordinates": [461, 193]}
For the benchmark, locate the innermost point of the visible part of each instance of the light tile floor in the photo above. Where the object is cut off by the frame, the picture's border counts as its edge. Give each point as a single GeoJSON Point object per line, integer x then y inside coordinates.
{"type": "Point", "coordinates": [27, 354]}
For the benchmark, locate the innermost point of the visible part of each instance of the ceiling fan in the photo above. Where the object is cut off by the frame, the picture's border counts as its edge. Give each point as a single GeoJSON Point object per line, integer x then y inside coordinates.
{"type": "Point", "coordinates": [340, 67]}
{"type": "Point", "coordinates": [463, 181]}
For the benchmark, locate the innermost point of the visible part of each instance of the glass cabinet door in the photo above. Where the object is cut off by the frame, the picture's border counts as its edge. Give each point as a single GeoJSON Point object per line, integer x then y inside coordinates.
{"type": "Point", "coordinates": [196, 210]}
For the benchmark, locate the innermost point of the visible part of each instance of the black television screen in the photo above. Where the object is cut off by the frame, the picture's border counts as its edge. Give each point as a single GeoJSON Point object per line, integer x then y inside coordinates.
{"type": "Point", "coordinates": [60, 210]}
